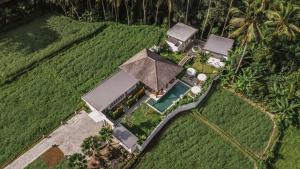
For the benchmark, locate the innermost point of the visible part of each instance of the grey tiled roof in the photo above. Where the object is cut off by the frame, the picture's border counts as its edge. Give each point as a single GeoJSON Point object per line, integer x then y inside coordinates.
{"type": "Point", "coordinates": [151, 69]}
{"type": "Point", "coordinates": [109, 90]}
{"type": "Point", "coordinates": [218, 44]}
{"type": "Point", "coordinates": [181, 32]}
{"type": "Point", "coordinates": [125, 136]}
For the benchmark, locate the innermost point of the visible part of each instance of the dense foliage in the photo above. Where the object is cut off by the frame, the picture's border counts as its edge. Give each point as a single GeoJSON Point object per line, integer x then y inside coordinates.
{"type": "Point", "coordinates": [188, 143]}
{"type": "Point", "coordinates": [251, 127]}
{"type": "Point", "coordinates": [37, 101]}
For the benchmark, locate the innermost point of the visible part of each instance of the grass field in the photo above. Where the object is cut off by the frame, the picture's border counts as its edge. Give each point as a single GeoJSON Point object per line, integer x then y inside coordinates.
{"type": "Point", "coordinates": [31, 42]}
{"type": "Point", "coordinates": [143, 120]}
{"type": "Point", "coordinates": [187, 143]}
{"type": "Point", "coordinates": [36, 102]}
{"type": "Point", "coordinates": [289, 152]}
{"type": "Point", "coordinates": [251, 127]}
{"type": "Point", "coordinates": [40, 164]}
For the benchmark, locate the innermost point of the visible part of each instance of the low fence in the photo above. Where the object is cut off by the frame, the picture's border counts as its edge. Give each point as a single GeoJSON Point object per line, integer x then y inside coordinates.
{"type": "Point", "coordinates": [177, 111]}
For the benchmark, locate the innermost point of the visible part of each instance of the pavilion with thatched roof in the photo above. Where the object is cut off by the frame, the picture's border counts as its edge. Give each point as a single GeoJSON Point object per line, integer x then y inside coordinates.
{"type": "Point", "coordinates": [152, 70]}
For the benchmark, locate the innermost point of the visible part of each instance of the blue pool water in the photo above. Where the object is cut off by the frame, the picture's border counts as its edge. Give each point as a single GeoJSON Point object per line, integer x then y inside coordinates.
{"type": "Point", "coordinates": [172, 95]}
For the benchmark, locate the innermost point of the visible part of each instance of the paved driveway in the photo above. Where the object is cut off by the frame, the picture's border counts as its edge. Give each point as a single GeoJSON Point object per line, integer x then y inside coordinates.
{"type": "Point", "coordinates": [68, 137]}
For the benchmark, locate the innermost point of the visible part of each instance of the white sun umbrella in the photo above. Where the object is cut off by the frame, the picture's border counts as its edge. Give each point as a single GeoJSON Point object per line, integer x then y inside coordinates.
{"type": "Point", "coordinates": [191, 71]}
{"type": "Point", "coordinates": [196, 89]}
{"type": "Point", "coordinates": [202, 77]}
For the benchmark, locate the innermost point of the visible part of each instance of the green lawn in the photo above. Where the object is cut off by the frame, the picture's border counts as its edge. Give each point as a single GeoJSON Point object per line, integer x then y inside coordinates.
{"type": "Point", "coordinates": [289, 152]}
{"type": "Point", "coordinates": [188, 143]}
{"type": "Point", "coordinates": [31, 42]}
{"type": "Point", "coordinates": [251, 127]}
{"type": "Point", "coordinates": [142, 121]}
{"type": "Point", "coordinates": [40, 164]}
{"type": "Point", "coordinates": [36, 102]}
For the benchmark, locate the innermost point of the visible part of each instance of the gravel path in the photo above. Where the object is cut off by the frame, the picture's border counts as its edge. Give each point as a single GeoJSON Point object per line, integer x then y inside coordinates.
{"type": "Point", "coordinates": [68, 137]}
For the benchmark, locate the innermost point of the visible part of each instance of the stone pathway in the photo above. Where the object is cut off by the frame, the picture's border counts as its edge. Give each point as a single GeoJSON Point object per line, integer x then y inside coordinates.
{"type": "Point", "coordinates": [68, 137]}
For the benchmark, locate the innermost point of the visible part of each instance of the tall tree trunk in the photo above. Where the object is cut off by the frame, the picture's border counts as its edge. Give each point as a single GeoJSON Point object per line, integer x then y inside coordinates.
{"type": "Point", "coordinates": [156, 15]}
{"type": "Point", "coordinates": [126, 6]}
{"type": "Point", "coordinates": [227, 16]}
{"type": "Point", "coordinates": [240, 62]}
{"type": "Point", "coordinates": [103, 8]}
{"type": "Point", "coordinates": [207, 15]}
{"type": "Point", "coordinates": [116, 12]}
{"type": "Point", "coordinates": [145, 11]}
{"type": "Point", "coordinates": [187, 11]}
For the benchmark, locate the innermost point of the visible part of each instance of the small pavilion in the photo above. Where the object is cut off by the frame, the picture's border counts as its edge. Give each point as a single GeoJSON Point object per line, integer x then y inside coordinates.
{"type": "Point", "coordinates": [179, 36]}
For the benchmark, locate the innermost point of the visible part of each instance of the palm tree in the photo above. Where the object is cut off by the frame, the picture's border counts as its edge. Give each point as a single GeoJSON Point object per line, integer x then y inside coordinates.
{"type": "Point", "coordinates": [158, 4]}
{"type": "Point", "coordinates": [246, 24]}
{"type": "Point", "coordinates": [283, 17]}
{"type": "Point", "coordinates": [187, 11]}
{"type": "Point", "coordinates": [106, 134]}
{"type": "Point", "coordinates": [227, 16]}
{"type": "Point", "coordinates": [91, 146]}
{"type": "Point", "coordinates": [77, 161]}
{"type": "Point", "coordinates": [170, 9]}
{"type": "Point", "coordinates": [145, 3]}
{"type": "Point", "coordinates": [207, 15]}
{"type": "Point", "coordinates": [103, 7]}
{"type": "Point", "coordinates": [127, 12]}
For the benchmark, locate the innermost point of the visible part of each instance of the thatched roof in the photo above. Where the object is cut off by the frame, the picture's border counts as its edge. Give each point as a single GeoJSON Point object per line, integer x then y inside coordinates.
{"type": "Point", "coordinates": [151, 69]}
{"type": "Point", "coordinates": [182, 32]}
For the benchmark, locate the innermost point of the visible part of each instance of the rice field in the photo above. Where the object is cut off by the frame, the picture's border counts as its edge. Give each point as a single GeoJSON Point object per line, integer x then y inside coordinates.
{"type": "Point", "coordinates": [34, 41]}
{"type": "Point", "coordinates": [36, 102]}
{"type": "Point", "coordinates": [248, 125]}
{"type": "Point", "coordinates": [188, 143]}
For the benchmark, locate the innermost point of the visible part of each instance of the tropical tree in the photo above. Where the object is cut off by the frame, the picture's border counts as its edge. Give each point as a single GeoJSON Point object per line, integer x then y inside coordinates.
{"type": "Point", "coordinates": [187, 11]}
{"type": "Point", "coordinates": [206, 18]}
{"type": "Point", "coordinates": [227, 16]}
{"type": "Point", "coordinates": [91, 146]}
{"type": "Point", "coordinates": [283, 17]}
{"type": "Point", "coordinates": [77, 161]}
{"type": "Point", "coordinates": [247, 24]}
{"type": "Point", "coordinates": [145, 4]}
{"type": "Point", "coordinates": [127, 12]}
{"type": "Point", "coordinates": [158, 4]}
{"type": "Point", "coordinates": [170, 4]}
{"type": "Point", "coordinates": [106, 134]}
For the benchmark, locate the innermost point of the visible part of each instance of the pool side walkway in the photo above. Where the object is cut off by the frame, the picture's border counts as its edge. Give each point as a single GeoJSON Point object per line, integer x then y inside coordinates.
{"type": "Point", "coordinates": [68, 137]}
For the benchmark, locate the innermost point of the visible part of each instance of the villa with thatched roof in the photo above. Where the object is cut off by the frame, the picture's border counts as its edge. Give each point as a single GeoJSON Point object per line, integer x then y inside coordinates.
{"type": "Point", "coordinates": [147, 68]}
{"type": "Point", "coordinates": [152, 70]}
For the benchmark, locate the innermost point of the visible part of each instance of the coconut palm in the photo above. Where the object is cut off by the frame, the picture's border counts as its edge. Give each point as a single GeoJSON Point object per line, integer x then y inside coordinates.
{"type": "Point", "coordinates": [227, 16]}
{"type": "Point", "coordinates": [187, 11]}
{"type": "Point", "coordinates": [158, 4]}
{"type": "Point", "coordinates": [106, 135]}
{"type": "Point", "coordinates": [283, 16]}
{"type": "Point", "coordinates": [170, 4]}
{"type": "Point", "coordinates": [77, 161]}
{"type": "Point", "coordinates": [145, 3]}
{"type": "Point", "coordinates": [127, 12]}
{"type": "Point", "coordinates": [91, 146]}
{"type": "Point", "coordinates": [247, 24]}
{"type": "Point", "coordinates": [207, 15]}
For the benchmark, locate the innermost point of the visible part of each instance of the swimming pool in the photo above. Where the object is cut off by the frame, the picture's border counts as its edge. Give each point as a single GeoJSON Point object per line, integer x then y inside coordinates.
{"type": "Point", "coordinates": [179, 89]}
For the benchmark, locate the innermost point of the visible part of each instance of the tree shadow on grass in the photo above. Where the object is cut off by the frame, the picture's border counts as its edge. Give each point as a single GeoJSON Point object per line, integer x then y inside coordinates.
{"type": "Point", "coordinates": [31, 37]}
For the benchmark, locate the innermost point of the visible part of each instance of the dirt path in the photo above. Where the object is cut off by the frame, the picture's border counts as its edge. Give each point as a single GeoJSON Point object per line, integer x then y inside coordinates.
{"type": "Point", "coordinates": [274, 135]}
{"type": "Point", "coordinates": [253, 157]}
